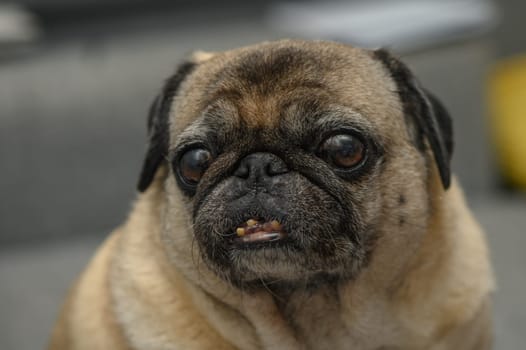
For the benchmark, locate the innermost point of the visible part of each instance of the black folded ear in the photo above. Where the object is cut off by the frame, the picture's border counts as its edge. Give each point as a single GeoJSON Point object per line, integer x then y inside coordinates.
{"type": "Point", "coordinates": [425, 112]}
{"type": "Point", "coordinates": [158, 125]}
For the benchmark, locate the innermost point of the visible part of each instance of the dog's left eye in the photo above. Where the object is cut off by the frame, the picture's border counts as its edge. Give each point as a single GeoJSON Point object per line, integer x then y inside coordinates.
{"type": "Point", "coordinates": [193, 164]}
{"type": "Point", "coordinates": [343, 151]}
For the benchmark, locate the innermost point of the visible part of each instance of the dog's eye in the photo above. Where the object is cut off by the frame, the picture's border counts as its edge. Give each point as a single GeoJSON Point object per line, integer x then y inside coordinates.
{"type": "Point", "coordinates": [193, 164]}
{"type": "Point", "coordinates": [344, 151]}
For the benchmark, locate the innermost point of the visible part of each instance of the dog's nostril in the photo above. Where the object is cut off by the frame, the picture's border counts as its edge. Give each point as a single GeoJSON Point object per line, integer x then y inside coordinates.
{"type": "Point", "coordinates": [276, 168]}
{"type": "Point", "coordinates": [242, 171]}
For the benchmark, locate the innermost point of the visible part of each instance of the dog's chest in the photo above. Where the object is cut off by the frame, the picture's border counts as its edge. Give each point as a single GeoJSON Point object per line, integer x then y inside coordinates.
{"type": "Point", "coordinates": [320, 321]}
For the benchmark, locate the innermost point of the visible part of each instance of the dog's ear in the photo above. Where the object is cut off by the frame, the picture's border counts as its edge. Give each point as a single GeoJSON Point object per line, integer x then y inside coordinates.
{"type": "Point", "coordinates": [425, 112]}
{"type": "Point", "coordinates": [158, 125]}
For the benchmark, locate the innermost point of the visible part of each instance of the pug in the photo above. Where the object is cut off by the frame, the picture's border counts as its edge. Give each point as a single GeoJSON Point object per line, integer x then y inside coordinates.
{"type": "Point", "coordinates": [294, 195]}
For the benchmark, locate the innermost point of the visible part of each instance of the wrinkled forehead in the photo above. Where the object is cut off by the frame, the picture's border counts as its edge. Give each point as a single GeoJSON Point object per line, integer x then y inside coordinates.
{"type": "Point", "coordinates": [257, 84]}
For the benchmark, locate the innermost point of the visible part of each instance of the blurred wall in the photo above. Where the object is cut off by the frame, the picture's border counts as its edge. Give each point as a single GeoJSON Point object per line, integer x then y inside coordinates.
{"type": "Point", "coordinates": [73, 115]}
{"type": "Point", "coordinates": [511, 32]}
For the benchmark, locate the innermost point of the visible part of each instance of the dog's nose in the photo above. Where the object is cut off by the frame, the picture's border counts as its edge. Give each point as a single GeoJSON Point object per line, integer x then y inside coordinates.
{"type": "Point", "coordinates": [261, 165]}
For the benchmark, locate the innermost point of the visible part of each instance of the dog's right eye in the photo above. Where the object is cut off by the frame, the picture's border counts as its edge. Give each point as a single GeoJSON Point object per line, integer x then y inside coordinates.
{"type": "Point", "coordinates": [193, 164]}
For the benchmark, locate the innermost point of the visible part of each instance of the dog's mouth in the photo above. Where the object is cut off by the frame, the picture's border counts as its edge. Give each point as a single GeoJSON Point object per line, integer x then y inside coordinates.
{"type": "Point", "coordinates": [256, 230]}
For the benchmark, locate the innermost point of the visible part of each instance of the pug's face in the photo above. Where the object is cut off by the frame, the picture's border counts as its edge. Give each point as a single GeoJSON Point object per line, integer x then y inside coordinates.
{"type": "Point", "coordinates": [293, 159]}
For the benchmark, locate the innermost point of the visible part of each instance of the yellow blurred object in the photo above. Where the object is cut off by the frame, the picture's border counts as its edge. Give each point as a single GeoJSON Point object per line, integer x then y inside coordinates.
{"type": "Point", "coordinates": [507, 103]}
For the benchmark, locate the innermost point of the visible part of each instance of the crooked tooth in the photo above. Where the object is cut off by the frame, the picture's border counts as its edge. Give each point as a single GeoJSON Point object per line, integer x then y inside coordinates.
{"type": "Point", "coordinates": [275, 225]}
{"type": "Point", "coordinates": [251, 222]}
{"type": "Point", "coordinates": [240, 231]}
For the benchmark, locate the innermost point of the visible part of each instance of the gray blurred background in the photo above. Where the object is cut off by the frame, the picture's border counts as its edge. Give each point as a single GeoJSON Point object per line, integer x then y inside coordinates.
{"type": "Point", "coordinates": [77, 77]}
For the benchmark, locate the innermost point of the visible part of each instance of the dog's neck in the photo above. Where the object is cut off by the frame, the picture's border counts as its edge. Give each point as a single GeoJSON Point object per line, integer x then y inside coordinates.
{"type": "Point", "coordinates": [330, 316]}
{"type": "Point", "coordinates": [277, 318]}
{"type": "Point", "coordinates": [314, 315]}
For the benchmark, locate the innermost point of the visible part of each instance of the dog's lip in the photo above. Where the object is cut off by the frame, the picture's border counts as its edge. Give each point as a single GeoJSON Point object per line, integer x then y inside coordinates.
{"type": "Point", "coordinates": [259, 237]}
{"type": "Point", "coordinates": [255, 230]}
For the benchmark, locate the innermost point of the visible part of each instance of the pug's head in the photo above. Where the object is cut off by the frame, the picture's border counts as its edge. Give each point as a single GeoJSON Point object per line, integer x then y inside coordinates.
{"type": "Point", "coordinates": [295, 161]}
